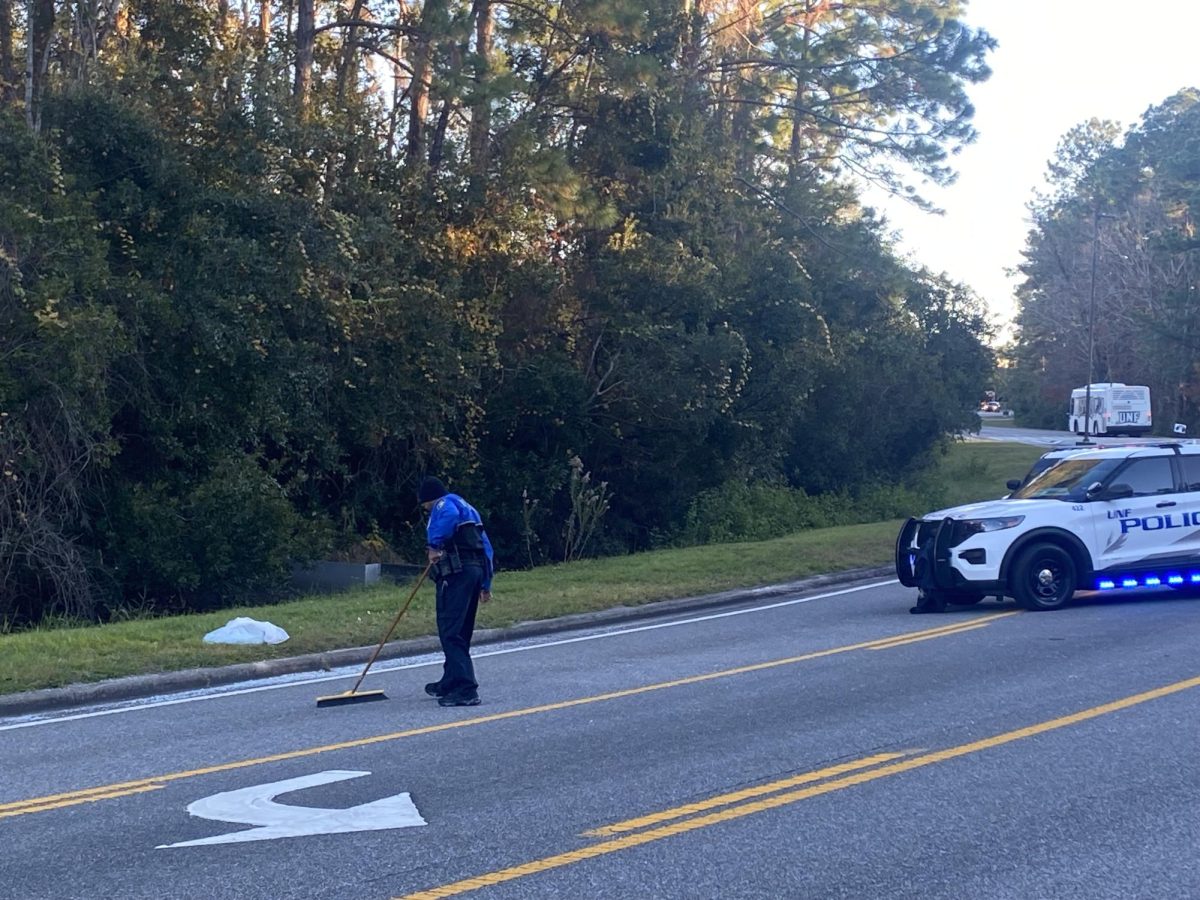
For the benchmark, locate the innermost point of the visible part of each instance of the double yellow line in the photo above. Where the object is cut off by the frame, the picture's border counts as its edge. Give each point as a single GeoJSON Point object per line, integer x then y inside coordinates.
{"type": "Point", "coordinates": [862, 771]}
{"type": "Point", "coordinates": [142, 785]}
{"type": "Point", "coordinates": [75, 798]}
{"type": "Point", "coordinates": [655, 834]}
{"type": "Point", "coordinates": [749, 793]}
{"type": "Point", "coordinates": [944, 631]}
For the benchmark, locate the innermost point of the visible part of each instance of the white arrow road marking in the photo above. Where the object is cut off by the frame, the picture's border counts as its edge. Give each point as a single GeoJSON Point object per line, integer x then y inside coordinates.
{"type": "Point", "coordinates": [256, 806]}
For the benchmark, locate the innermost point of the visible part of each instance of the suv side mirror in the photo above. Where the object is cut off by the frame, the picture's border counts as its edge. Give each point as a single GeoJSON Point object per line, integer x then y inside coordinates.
{"type": "Point", "coordinates": [1112, 492]}
{"type": "Point", "coordinates": [1013, 483]}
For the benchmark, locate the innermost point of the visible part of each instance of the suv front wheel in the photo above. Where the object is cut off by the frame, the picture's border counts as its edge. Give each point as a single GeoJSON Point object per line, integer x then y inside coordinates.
{"type": "Point", "coordinates": [1043, 577]}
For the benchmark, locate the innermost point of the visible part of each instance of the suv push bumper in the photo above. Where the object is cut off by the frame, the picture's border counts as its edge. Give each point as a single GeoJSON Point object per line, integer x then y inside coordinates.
{"type": "Point", "coordinates": [922, 554]}
{"type": "Point", "coordinates": [924, 560]}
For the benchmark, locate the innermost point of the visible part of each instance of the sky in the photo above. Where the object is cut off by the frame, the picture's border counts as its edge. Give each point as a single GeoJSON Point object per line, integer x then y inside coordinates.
{"type": "Point", "coordinates": [1058, 63]}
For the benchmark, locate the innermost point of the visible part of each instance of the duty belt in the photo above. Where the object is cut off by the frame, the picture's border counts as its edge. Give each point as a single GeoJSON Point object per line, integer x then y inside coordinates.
{"type": "Point", "coordinates": [454, 559]}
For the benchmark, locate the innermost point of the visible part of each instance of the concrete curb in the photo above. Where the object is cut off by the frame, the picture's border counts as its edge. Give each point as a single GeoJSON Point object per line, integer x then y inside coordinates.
{"type": "Point", "coordinates": [139, 686]}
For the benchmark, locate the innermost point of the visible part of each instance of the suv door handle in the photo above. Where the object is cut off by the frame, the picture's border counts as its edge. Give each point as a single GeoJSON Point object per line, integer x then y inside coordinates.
{"type": "Point", "coordinates": [1164, 504]}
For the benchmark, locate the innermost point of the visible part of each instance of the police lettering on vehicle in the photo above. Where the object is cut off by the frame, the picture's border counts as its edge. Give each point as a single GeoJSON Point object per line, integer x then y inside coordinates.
{"type": "Point", "coordinates": [1159, 523]}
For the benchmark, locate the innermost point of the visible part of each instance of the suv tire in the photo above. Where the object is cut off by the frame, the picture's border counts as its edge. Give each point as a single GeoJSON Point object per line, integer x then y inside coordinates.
{"type": "Point", "coordinates": [1043, 577]}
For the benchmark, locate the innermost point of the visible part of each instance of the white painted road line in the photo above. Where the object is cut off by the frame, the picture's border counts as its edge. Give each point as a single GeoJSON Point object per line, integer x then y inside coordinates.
{"type": "Point", "coordinates": [426, 660]}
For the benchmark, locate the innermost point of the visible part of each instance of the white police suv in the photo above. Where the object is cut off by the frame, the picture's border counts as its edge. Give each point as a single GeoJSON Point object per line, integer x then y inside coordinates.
{"type": "Point", "coordinates": [1104, 519]}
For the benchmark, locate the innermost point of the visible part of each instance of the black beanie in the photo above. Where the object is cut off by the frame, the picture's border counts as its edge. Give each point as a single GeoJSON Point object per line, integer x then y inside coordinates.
{"type": "Point", "coordinates": [431, 489]}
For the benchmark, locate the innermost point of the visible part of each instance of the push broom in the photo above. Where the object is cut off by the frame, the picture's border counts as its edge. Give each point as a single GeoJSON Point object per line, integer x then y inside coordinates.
{"type": "Point", "coordinates": [353, 695]}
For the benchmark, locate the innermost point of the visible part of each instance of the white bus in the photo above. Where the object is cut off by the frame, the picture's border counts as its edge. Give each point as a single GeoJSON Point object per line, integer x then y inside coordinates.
{"type": "Point", "coordinates": [1116, 409]}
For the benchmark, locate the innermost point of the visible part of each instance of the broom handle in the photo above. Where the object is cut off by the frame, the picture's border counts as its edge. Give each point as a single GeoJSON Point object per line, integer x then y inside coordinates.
{"type": "Point", "coordinates": [395, 622]}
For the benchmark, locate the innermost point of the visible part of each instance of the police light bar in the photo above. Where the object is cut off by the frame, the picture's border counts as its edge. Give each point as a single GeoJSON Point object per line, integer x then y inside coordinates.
{"type": "Point", "coordinates": [1150, 580]}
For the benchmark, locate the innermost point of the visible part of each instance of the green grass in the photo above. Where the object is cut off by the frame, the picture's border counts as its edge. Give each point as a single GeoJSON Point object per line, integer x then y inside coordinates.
{"type": "Point", "coordinates": [999, 421]}
{"type": "Point", "coordinates": [978, 470]}
{"type": "Point", "coordinates": [51, 657]}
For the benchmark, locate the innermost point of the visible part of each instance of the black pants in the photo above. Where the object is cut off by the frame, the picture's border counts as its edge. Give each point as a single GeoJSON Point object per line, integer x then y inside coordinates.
{"type": "Point", "coordinates": [457, 602]}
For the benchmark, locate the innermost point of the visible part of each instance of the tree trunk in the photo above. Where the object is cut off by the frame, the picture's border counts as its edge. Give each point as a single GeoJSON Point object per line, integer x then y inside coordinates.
{"type": "Point", "coordinates": [346, 65]}
{"type": "Point", "coordinates": [796, 145]}
{"type": "Point", "coordinates": [264, 22]}
{"type": "Point", "coordinates": [305, 42]}
{"type": "Point", "coordinates": [37, 58]}
{"type": "Point", "coordinates": [481, 109]}
{"type": "Point", "coordinates": [397, 96]}
{"type": "Point", "coordinates": [438, 144]}
{"type": "Point", "coordinates": [422, 80]}
{"type": "Point", "coordinates": [85, 15]}
{"type": "Point", "coordinates": [8, 68]}
{"type": "Point", "coordinates": [747, 91]}
{"type": "Point", "coordinates": [96, 23]}
{"type": "Point", "coordinates": [692, 34]}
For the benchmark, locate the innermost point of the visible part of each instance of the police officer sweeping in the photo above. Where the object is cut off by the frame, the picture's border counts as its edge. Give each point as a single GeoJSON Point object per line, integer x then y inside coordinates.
{"type": "Point", "coordinates": [461, 555]}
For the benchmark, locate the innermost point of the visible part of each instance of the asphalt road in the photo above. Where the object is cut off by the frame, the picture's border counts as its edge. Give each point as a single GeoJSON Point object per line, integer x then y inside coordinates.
{"type": "Point", "coordinates": [1051, 439]}
{"type": "Point", "coordinates": [821, 746]}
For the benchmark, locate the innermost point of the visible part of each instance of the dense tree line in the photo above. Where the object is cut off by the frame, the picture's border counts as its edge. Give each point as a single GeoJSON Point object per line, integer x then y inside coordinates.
{"type": "Point", "coordinates": [1116, 232]}
{"type": "Point", "coordinates": [263, 264]}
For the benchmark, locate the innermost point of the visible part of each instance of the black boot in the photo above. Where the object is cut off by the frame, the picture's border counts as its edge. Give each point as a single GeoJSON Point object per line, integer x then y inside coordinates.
{"type": "Point", "coordinates": [459, 698]}
{"type": "Point", "coordinates": [929, 602]}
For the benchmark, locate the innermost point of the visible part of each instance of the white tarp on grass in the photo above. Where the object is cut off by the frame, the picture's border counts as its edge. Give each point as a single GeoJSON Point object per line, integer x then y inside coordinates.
{"type": "Point", "coordinates": [246, 631]}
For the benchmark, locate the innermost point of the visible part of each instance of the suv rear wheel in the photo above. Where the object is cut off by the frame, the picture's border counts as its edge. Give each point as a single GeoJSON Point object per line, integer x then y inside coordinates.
{"type": "Point", "coordinates": [1043, 577]}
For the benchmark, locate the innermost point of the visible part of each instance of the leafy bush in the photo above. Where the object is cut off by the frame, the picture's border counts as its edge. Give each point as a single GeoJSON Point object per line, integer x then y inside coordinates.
{"type": "Point", "coordinates": [737, 511]}
{"type": "Point", "coordinates": [206, 543]}
{"type": "Point", "coordinates": [753, 512]}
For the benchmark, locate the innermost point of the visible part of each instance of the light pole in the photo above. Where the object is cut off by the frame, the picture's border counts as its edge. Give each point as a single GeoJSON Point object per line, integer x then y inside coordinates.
{"type": "Point", "coordinates": [1091, 334]}
{"type": "Point", "coordinates": [1087, 410]}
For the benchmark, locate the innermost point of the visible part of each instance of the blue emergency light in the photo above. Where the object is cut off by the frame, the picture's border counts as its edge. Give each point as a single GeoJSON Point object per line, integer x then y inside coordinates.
{"type": "Point", "coordinates": [1108, 584]}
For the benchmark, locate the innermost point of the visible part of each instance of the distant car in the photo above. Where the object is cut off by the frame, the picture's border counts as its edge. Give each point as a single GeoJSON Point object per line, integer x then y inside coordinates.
{"type": "Point", "coordinates": [991, 406]}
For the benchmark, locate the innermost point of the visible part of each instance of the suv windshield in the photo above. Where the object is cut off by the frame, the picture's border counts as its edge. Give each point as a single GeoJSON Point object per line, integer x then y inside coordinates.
{"type": "Point", "coordinates": [1069, 480]}
{"type": "Point", "coordinates": [1039, 467]}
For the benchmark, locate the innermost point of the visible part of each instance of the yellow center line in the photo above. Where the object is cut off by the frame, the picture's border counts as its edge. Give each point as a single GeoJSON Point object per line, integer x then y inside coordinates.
{"type": "Point", "coordinates": [736, 812]}
{"type": "Point", "coordinates": [78, 795]}
{"type": "Point", "coordinates": [928, 637]}
{"type": "Point", "coordinates": [125, 788]}
{"type": "Point", "coordinates": [76, 801]}
{"type": "Point", "coordinates": [745, 794]}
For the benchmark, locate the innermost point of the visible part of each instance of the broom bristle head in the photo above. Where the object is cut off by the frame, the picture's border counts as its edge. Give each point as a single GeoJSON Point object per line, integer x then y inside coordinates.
{"type": "Point", "coordinates": [348, 697]}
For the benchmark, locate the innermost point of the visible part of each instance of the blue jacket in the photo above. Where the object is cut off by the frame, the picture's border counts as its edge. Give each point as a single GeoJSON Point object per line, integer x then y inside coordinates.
{"type": "Point", "coordinates": [447, 514]}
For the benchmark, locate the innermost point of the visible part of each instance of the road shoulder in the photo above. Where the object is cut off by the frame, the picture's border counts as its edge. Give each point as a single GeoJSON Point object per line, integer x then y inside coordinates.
{"type": "Point", "coordinates": [114, 690]}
